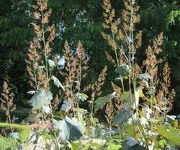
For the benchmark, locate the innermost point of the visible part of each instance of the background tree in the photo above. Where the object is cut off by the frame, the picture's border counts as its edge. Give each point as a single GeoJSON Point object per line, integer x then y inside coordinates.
{"type": "Point", "coordinates": [15, 34]}
{"type": "Point", "coordinates": [82, 20]}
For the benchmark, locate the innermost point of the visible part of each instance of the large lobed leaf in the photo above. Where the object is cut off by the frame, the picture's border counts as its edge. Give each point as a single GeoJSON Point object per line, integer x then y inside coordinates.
{"type": "Point", "coordinates": [101, 101]}
{"type": "Point", "coordinates": [69, 128]}
{"type": "Point", "coordinates": [41, 100]}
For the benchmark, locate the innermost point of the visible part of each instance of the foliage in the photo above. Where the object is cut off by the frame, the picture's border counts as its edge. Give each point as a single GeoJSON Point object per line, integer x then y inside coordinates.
{"type": "Point", "coordinates": [172, 16]}
{"type": "Point", "coordinates": [69, 129]}
{"type": "Point", "coordinates": [23, 130]}
{"type": "Point", "coordinates": [7, 143]}
{"type": "Point", "coordinates": [15, 33]}
{"type": "Point", "coordinates": [114, 143]}
{"type": "Point", "coordinates": [101, 101]}
{"type": "Point", "coordinates": [170, 133]}
{"type": "Point", "coordinates": [41, 101]}
{"type": "Point", "coordinates": [70, 109]}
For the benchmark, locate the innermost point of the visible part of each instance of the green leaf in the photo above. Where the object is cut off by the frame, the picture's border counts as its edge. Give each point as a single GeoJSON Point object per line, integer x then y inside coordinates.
{"type": "Point", "coordinates": [123, 70]}
{"type": "Point", "coordinates": [113, 146]}
{"type": "Point", "coordinates": [144, 76]}
{"type": "Point", "coordinates": [57, 82]}
{"type": "Point", "coordinates": [51, 63]}
{"type": "Point", "coordinates": [41, 100]}
{"type": "Point", "coordinates": [75, 146]}
{"type": "Point", "coordinates": [122, 116]}
{"type": "Point", "coordinates": [114, 143]}
{"type": "Point", "coordinates": [141, 94]}
{"type": "Point", "coordinates": [170, 133]}
{"type": "Point", "coordinates": [101, 101]}
{"type": "Point", "coordinates": [31, 92]}
{"type": "Point", "coordinates": [81, 96]}
{"type": "Point", "coordinates": [69, 128]}
{"type": "Point", "coordinates": [40, 67]}
{"type": "Point", "coordinates": [125, 96]}
{"type": "Point", "coordinates": [14, 135]}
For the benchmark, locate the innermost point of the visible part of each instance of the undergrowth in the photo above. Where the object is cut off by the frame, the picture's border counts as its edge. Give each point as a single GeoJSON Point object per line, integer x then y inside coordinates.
{"type": "Point", "coordinates": [67, 113]}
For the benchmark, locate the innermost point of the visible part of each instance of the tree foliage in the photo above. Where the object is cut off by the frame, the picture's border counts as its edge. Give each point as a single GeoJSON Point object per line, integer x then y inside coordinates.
{"type": "Point", "coordinates": [76, 20]}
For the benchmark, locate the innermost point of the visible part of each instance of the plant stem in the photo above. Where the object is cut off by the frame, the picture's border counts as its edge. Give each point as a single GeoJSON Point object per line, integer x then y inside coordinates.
{"type": "Point", "coordinates": [122, 84]}
{"type": "Point", "coordinates": [45, 52]}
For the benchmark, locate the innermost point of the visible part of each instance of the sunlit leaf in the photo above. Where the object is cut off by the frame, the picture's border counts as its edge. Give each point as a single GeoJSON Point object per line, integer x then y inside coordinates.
{"type": "Point", "coordinates": [40, 67]}
{"type": "Point", "coordinates": [67, 105]}
{"type": "Point", "coordinates": [69, 128]}
{"type": "Point", "coordinates": [46, 109]}
{"type": "Point", "coordinates": [74, 123]}
{"type": "Point", "coordinates": [123, 70]}
{"type": "Point", "coordinates": [81, 96]}
{"type": "Point", "coordinates": [125, 96]}
{"type": "Point", "coordinates": [14, 135]}
{"type": "Point", "coordinates": [31, 92]}
{"type": "Point", "coordinates": [51, 63]}
{"type": "Point", "coordinates": [144, 76]}
{"type": "Point", "coordinates": [170, 133]}
{"type": "Point", "coordinates": [64, 131]}
{"type": "Point", "coordinates": [141, 94]}
{"type": "Point", "coordinates": [57, 82]}
{"type": "Point", "coordinates": [113, 146]}
{"type": "Point", "coordinates": [41, 100]}
{"type": "Point", "coordinates": [75, 146]}
{"type": "Point", "coordinates": [131, 141]}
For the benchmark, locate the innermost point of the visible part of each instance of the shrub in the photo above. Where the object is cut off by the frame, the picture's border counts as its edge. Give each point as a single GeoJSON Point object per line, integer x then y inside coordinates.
{"type": "Point", "coordinates": [24, 131]}
{"type": "Point", "coordinates": [6, 143]}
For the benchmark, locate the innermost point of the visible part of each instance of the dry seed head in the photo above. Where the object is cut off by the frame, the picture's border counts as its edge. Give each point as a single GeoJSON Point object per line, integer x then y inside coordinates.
{"type": "Point", "coordinates": [37, 30]}
{"type": "Point", "coordinates": [137, 70]}
{"type": "Point", "coordinates": [7, 103]}
{"type": "Point", "coordinates": [81, 61]}
{"type": "Point", "coordinates": [42, 4]}
{"type": "Point", "coordinates": [120, 35]}
{"type": "Point", "coordinates": [158, 44]}
{"type": "Point", "coordinates": [56, 102]}
{"type": "Point", "coordinates": [100, 82]}
{"type": "Point", "coordinates": [104, 35]}
{"type": "Point", "coordinates": [166, 75]}
{"type": "Point", "coordinates": [139, 39]}
{"type": "Point", "coordinates": [114, 26]}
{"type": "Point", "coordinates": [109, 13]}
{"type": "Point", "coordinates": [121, 57]}
{"type": "Point", "coordinates": [109, 57]}
{"type": "Point", "coordinates": [117, 99]}
{"type": "Point", "coordinates": [117, 89]}
{"type": "Point", "coordinates": [129, 15]}
{"type": "Point", "coordinates": [55, 59]}
{"type": "Point", "coordinates": [52, 31]}
{"type": "Point", "coordinates": [151, 63]}
{"type": "Point", "coordinates": [37, 15]}
{"type": "Point", "coordinates": [105, 26]}
{"type": "Point", "coordinates": [109, 113]}
{"type": "Point", "coordinates": [45, 18]}
{"type": "Point", "coordinates": [111, 42]}
{"type": "Point", "coordinates": [87, 88]}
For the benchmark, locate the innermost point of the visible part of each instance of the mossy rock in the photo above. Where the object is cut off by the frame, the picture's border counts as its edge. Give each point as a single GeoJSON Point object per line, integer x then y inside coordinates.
{"type": "Point", "coordinates": [23, 130]}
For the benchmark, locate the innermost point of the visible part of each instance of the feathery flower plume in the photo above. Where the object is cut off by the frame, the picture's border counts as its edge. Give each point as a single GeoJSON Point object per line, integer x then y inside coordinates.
{"type": "Point", "coordinates": [7, 103]}
{"type": "Point", "coordinates": [40, 50]}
